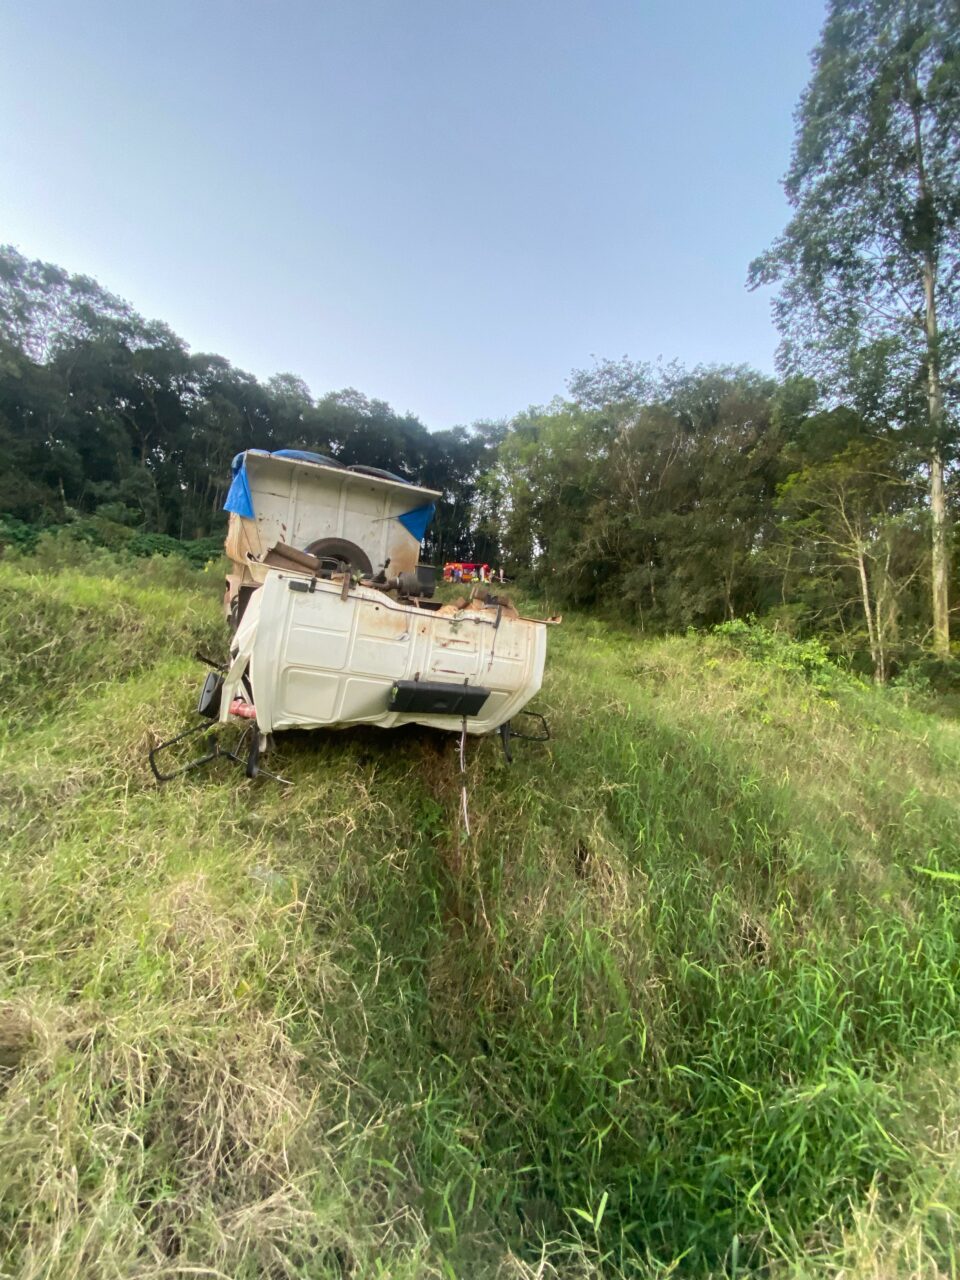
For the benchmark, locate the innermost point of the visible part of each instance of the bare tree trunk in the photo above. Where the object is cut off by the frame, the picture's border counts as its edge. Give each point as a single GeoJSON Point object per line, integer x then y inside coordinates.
{"type": "Point", "coordinates": [940, 559]}
{"type": "Point", "coordinates": [876, 650]}
{"type": "Point", "coordinates": [939, 548]}
{"type": "Point", "coordinates": [783, 580]}
{"type": "Point", "coordinates": [886, 608]}
{"type": "Point", "coordinates": [728, 589]}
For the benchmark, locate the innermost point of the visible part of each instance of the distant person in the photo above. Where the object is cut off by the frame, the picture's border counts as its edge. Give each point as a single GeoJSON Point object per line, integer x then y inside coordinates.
{"type": "Point", "coordinates": [457, 573]}
{"type": "Point", "coordinates": [500, 573]}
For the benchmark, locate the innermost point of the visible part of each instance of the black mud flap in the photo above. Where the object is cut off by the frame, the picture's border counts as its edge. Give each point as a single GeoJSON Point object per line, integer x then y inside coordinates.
{"type": "Point", "coordinates": [437, 698]}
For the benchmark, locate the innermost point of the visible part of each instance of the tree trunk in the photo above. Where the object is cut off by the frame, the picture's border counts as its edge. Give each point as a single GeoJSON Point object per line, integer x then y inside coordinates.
{"type": "Point", "coordinates": [939, 559]}
{"type": "Point", "coordinates": [940, 548]}
{"type": "Point", "coordinates": [876, 650]}
{"type": "Point", "coordinates": [728, 589]}
{"type": "Point", "coordinates": [886, 608]}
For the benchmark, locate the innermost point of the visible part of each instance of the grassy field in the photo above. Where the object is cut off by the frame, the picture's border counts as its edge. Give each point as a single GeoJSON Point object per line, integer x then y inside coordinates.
{"type": "Point", "coordinates": [686, 1003]}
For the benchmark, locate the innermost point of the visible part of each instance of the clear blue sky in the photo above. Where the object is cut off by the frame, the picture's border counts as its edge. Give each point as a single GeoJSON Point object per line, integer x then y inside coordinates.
{"type": "Point", "coordinates": [448, 204]}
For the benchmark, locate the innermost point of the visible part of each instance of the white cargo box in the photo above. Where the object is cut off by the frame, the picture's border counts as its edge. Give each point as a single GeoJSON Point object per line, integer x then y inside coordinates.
{"type": "Point", "coordinates": [281, 498]}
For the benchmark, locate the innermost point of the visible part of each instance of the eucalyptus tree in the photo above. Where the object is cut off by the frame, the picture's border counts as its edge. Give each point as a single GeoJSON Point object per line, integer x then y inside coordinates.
{"type": "Point", "coordinates": [869, 264]}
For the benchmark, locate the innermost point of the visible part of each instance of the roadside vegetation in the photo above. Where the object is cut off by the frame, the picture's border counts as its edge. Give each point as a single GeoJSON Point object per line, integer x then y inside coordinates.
{"type": "Point", "coordinates": [685, 1003]}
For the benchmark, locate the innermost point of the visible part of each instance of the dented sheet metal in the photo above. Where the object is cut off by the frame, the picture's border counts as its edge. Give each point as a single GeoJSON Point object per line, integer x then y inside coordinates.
{"type": "Point", "coordinates": [315, 658]}
{"type": "Point", "coordinates": [281, 498]}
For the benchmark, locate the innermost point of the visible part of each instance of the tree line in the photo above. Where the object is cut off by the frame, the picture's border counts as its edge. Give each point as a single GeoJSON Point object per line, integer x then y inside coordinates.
{"type": "Point", "coordinates": [822, 498]}
{"type": "Point", "coordinates": [104, 414]}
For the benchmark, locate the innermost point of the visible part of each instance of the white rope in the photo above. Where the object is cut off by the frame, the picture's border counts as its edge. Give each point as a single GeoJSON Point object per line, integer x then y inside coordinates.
{"type": "Point", "coordinates": [463, 777]}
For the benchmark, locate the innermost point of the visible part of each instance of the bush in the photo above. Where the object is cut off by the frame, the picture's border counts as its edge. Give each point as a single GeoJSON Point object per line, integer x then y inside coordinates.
{"type": "Point", "coordinates": [153, 544]}
{"type": "Point", "coordinates": [200, 551]}
{"type": "Point", "coordinates": [100, 531]}
{"type": "Point", "coordinates": [929, 675]}
{"type": "Point", "coordinates": [17, 534]}
{"type": "Point", "coordinates": [809, 658]}
{"type": "Point", "coordinates": [928, 681]}
{"type": "Point", "coordinates": [56, 550]}
{"type": "Point", "coordinates": [197, 552]}
{"type": "Point", "coordinates": [162, 561]}
{"type": "Point", "coordinates": [94, 542]}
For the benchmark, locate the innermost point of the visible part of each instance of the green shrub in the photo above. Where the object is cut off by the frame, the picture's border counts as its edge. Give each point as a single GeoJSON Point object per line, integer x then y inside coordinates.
{"type": "Point", "coordinates": [200, 551]}
{"type": "Point", "coordinates": [197, 551]}
{"type": "Point", "coordinates": [99, 531]}
{"type": "Point", "coordinates": [92, 544]}
{"type": "Point", "coordinates": [68, 548]}
{"type": "Point", "coordinates": [153, 544]}
{"type": "Point", "coordinates": [929, 674]}
{"type": "Point", "coordinates": [17, 535]}
{"type": "Point", "coordinates": [809, 659]}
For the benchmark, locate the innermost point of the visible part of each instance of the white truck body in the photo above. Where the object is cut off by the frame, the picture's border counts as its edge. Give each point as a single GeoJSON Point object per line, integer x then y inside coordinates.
{"type": "Point", "coordinates": [316, 658]}
{"type": "Point", "coordinates": [329, 648]}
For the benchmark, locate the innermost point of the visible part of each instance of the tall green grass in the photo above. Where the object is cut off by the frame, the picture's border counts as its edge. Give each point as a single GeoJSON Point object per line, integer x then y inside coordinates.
{"type": "Point", "coordinates": [681, 1004]}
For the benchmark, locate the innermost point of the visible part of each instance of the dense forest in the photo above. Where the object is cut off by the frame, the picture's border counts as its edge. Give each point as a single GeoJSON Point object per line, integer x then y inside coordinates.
{"type": "Point", "coordinates": [106, 415]}
{"type": "Point", "coordinates": [820, 499]}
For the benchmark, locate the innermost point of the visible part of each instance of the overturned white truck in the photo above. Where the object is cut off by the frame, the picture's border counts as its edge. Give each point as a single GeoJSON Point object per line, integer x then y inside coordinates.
{"type": "Point", "coordinates": [333, 618]}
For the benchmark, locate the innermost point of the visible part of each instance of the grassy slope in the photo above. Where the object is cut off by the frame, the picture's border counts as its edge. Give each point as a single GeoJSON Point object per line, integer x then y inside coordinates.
{"type": "Point", "coordinates": [679, 1003]}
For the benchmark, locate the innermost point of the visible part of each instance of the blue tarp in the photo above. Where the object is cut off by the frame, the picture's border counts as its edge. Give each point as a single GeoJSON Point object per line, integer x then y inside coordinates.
{"type": "Point", "coordinates": [239, 498]}
{"type": "Point", "coordinates": [416, 521]}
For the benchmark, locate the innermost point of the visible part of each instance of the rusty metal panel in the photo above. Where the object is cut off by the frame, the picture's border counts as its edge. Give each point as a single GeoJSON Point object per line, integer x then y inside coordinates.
{"type": "Point", "coordinates": [319, 658]}
{"type": "Point", "coordinates": [300, 503]}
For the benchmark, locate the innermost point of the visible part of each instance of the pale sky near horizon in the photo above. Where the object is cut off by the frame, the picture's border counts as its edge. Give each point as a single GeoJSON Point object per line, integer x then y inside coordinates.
{"type": "Point", "coordinates": [443, 204]}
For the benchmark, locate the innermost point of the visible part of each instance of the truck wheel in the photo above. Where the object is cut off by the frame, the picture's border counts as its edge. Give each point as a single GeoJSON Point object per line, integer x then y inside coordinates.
{"type": "Point", "coordinates": [344, 553]}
